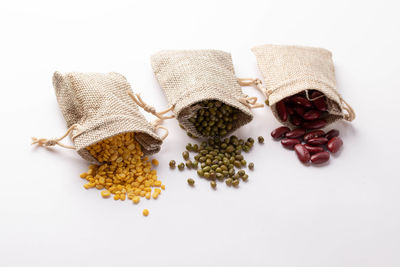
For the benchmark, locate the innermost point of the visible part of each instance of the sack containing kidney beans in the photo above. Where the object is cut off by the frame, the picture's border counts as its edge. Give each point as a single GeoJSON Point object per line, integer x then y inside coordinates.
{"type": "Point", "coordinates": [300, 86]}
{"type": "Point", "coordinates": [202, 87]}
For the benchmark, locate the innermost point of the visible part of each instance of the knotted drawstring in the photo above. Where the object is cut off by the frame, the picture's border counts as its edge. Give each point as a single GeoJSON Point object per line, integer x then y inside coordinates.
{"type": "Point", "coordinates": [156, 124]}
{"type": "Point", "coordinates": [160, 115]}
{"type": "Point", "coordinates": [250, 102]}
{"type": "Point", "coordinates": [257, 84]}
{"type": "Point", "coordinates": [56, 141]}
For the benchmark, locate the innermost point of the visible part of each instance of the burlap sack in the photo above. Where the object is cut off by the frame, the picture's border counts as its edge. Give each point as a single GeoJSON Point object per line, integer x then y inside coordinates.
{"type": "Point", "coordinates": [96, 106]}
{"type": "Point", "coordinates": [288, 70]}
{"type": "Point", "coordinates": [191, 76]}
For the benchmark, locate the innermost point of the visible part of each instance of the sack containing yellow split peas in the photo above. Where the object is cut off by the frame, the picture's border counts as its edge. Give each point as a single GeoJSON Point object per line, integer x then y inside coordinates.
{"type": "Point", "coordinates": [203, 90]}
{"type": "Point", "coordinates": [97, 107]}
{"type": "Point", "coordinates": [300, 86]}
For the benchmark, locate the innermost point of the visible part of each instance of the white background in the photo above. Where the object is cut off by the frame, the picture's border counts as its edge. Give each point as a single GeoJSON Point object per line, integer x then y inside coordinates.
{"type": "Point", "coordinates": [346, 213]}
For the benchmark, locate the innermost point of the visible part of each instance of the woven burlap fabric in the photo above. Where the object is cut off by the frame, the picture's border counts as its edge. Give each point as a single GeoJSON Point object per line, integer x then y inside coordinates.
{"type": "Point", "coordinates": [191, 76]}
{"type": "Point", "coordinates": [288, 70]}
{"type": "Point", "coordinates": [100, 107]}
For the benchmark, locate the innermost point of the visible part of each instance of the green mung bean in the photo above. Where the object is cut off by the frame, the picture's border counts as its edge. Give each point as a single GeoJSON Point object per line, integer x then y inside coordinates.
{"type": "Point", "coordinates": [214, 118]}
{"type": "Point", "coordinates": [251, 166]}
{"type": "Point", "coordinates": [213, 184]}
{"type": "Point", "coordinates": [195, 165]}
{"type": "Point", "coordinates": [181, 166]}
{"type": "Point", "coordinates": [213, 175]}
{"type": "Point", "coordinates": [219, 159]}
{"type": "Point", "coordinates": [172, 164]}
{"type": "Point", "coordinates": [189, 164]}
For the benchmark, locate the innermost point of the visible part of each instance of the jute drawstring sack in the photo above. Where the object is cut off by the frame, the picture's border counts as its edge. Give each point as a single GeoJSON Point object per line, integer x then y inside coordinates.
{"type": "Point", "coordinates": [288, 70]}
{"type": "Point", "coordinates": [192, 76]}
{"type": "Point", "coordinates": [98, 106]}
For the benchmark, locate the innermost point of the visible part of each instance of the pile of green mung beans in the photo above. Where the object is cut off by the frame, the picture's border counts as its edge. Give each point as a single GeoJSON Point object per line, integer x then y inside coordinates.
{"type": "Point", "coordinates": [218, 160]}
{"type": "Point", "coordinates": [214, 118]}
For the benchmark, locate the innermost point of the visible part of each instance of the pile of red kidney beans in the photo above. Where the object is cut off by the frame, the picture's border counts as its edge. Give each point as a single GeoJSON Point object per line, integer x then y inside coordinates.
{"type": "Point", "coordinates": [309, 142]}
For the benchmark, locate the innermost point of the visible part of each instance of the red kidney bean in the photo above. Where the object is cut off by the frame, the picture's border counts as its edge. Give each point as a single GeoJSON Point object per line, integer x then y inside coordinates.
{"type": "Point", "coordinates": [332, 133]}
{"type": "Point", "coordinates": [313, 134]}
{"type": "Point", "coordinates": [319, 103]}
{"type": "Point", "coordinates": [317, 141]}
{"type": "Point", "coordinates": [309, 115]}
{"type": "Point", "coordinates": [290, 143]}
{"type": "Point", "coordinates": [315, 124]}
{"type": "Point", "coordinates": [299, 110]}
{"type": "Point", "coordinates": [314, 149]}
{"type": "Point", "coordinates": [302, 153]}
{"type": "Point", "coordinates": [335, 144]}
{"type": "Point", "coordinates": [296, 120]}
{"type": "Point", "coordinates": [301, 101]}
{"type": "Point", "coordinates": [279, 132]}
{"type": "Point", "coordinates": [320, 157]}
{"type": "Point", "coordinates": [312, 115]}
{"type": "Point", "coordinates": [290, 110]}
{"type": "Point", "coordinates": [296, 133]}
{"type": "Point", "coordinates": [282, 112]}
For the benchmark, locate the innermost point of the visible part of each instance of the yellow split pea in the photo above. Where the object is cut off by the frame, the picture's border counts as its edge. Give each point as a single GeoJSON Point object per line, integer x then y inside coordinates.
{"type": "Point", "coordinates": [136, 199]}
{"type": "Point", "coordinates": [105, 193]}
{"type": "Point", "coordinates": [145, 212]}
{"type": "Point", "coordinates": [123, 172]}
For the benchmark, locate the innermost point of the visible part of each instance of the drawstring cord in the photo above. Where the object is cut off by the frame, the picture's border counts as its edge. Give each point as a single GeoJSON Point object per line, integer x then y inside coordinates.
{"type": "Point", "coordinates": [250, 102]}
{"type": "Point", "coordinates": [160, 115]}
{"type": "Point", "coordinates": [156, 123]}
{"type": "Point", "coordinates": [56, 141]}
{"type": "Point", "coordinates": [257, 84]}
{"type": "Point", "coordinates": [351, 115]}
{"type": "Point", "coordinates": [139, 101]}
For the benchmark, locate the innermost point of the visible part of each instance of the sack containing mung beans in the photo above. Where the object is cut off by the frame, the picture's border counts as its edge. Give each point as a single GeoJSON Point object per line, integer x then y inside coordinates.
{"type": "Point", "coordinates": [203, 90]}
{"type": "Point", "coordinates": [96, 107]}
{"type": "Point", "coordinates": [301, 79]}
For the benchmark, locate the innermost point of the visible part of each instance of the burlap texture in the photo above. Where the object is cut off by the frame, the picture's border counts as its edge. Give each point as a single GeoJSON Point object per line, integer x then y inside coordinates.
{"type": "Point", "coordinates": [101, 108]}
{"type": "Point", "coordinates": [191, 76]}
{"type": "Point", "coordinates": [288, 70]}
